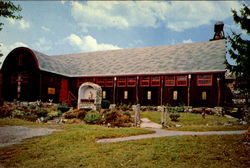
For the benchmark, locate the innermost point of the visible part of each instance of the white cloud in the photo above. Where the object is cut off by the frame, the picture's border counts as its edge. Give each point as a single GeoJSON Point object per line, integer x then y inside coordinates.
{"type": "Point", "coordinates": [88, 43]}
{"type": "Point", "coordinates": [46, 29]}
{"type": "Point", "coordinates": [22, 24]}
{"type": "Point", "coordinates": [42, 44]}
{"type": "Point", "coordinates": [187, 41]}
{"type": "Point", "coordinates": [176, 16]}
{"type": "Point", "coordinates": [7, 49]}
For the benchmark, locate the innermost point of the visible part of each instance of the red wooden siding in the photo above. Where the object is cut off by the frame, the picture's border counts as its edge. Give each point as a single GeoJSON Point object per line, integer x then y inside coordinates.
{"type": "Point", "coordinates": [64, 90]}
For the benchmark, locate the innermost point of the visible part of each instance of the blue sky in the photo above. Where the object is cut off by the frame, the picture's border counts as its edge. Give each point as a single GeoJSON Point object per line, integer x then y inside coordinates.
{"type": "Point", "coordinates": [60, 27]}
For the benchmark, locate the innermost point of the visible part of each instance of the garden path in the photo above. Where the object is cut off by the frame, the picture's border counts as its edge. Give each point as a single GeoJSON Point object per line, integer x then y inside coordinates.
{"type": "Point", "coordinates": [146, 123]}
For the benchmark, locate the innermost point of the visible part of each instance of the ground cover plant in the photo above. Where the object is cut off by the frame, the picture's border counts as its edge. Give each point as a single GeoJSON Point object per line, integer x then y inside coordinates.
{"type": "Point", "coordinates": [75, 146]}
{"type": "Point", "coordinates": [195, 122]}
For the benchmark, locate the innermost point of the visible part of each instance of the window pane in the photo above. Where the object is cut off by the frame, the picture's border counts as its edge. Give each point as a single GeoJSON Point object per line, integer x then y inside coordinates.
{"type": "Point", "coordinates": [104, 94]}
{"type": "Point", "coordinates": [125, 94]}
{"type": "Point", "coordinates": [149, 95]}
{"type": "Point", "coordinates": [204, 95]}
{"type": "Point", "coordinates": [175, 95]}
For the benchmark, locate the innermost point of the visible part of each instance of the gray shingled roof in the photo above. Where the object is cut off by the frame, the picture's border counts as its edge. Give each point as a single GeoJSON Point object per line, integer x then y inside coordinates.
{"type": "Point", "coordinates": [183, 58]}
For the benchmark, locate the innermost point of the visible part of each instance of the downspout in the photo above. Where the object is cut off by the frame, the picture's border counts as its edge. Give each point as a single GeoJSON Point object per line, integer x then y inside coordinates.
{"type": "Point", "coordinates": [114, 94]}
{"type": "Point", "coordinates": [161, 90]}
{"type": "Point", "coordinates": [189, 80]}
{"type": "Point", "coordinates": [137, 92]}
{"type": "Point", "coordinates": [219, 91]}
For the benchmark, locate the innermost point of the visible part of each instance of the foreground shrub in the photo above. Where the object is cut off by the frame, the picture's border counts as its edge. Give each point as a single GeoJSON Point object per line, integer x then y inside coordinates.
{"type": "Point", "coordinates": [6, 111]}
{"type": "Point", "coordinates": [63, 108]}
{"type": "Point", "coordinates": [19, 114]}
{"type": "Point", "coordinates": [53, 114]}
{"type": "Point", "coordinates": [174, 116]}
{"type": "Point", "coordinates": [80, 114]}
{"type": "Point", "coordinates": [92, 117]}
{"type": "Point", "coordinates": [116, 118]}
{"type": "Point", "coordinates": [105, 104]}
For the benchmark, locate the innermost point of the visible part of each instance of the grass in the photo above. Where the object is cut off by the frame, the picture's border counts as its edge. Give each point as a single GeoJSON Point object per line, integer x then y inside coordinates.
{"type": "Point", "coordinates": [75, 147]}
{"type": "Point", "coordinates": [194, 122]}
{"type": "Point", "coordinates": [14, 121]}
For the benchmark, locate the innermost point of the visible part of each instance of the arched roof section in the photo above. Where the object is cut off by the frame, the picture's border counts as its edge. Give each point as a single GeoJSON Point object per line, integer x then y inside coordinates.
{"type": "Point", "coordinates": [20, 50]}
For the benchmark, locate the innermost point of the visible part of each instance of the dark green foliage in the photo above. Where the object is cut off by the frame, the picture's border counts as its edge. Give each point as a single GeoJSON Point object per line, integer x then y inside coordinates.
{"type": "Point", "coordinates": [174, 116]}
{"type": "Point", "coordinates": [8, 10]}
{"type": "Point", "coordinates": [240, 49]}
{"type": "Point", "coordinates": [42, 112]}
{"type": "Point", "coordinates": [93, 117]}
{"type": "Point", "coordinates": [63, 108]}
{"type": "Point", "coordinates": [105, 104]}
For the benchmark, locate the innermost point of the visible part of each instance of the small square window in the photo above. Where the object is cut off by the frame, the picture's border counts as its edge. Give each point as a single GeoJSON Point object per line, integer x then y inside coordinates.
{"type": "Point", "coordinates": [104, 94]}
{"type": "Point", "coordinates": [125, 94]}
{"type": "Point", "coordinates": [149, 95]}
{"type": "Point", "coordinates": [204, 95]}
{"type": "Point", "coordinates": [175, 95]}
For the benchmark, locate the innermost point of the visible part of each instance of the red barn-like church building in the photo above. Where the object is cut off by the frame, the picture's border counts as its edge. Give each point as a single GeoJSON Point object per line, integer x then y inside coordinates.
{"type": "Point", "coordinates": [191, 74]}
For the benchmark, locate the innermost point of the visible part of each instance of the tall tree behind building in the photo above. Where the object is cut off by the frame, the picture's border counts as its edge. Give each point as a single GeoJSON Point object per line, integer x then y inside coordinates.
{"type": "Point", "coordinates": [240, 51]}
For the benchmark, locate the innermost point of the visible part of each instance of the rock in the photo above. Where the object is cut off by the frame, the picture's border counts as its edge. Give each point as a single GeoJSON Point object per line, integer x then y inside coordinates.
{"type": "Point", "coordinates": [243, 123]}
{"type": "Point", "coordinates": [112, 106]}
{"type": "Point", "coordinates": [160, 108]}
{"type": "Point", "coordinates": [228, 116]}
{"type": "Point", "coordinates": [178, 126]}
{"type": "Point", "coordinates": [228, 124]}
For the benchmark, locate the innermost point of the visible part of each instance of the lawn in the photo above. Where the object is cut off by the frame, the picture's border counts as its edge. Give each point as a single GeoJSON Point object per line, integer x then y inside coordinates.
{"type": "Point", "coordinates": [194, 122]}
{"type": "Point", "coordinates": [75, 146]}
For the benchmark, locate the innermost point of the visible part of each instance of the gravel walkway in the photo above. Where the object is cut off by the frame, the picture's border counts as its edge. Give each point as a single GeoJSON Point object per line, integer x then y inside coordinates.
{"type": "Point", "coordinates": [10, 135]}
{"type": "Point", "coordinates": [164, 133]}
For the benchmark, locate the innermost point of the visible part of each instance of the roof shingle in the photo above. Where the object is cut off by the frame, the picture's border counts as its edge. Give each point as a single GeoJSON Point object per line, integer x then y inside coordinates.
{"type": "Point", "coordinates": [182, 58]}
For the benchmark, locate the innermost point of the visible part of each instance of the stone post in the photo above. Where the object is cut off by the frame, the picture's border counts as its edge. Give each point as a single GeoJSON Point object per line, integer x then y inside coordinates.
{"type": "Point", "coordinates": [137, 115]}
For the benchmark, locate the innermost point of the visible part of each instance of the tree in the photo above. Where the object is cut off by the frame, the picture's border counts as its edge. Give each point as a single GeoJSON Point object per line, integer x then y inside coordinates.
{"type": "Point", "coordinates": [240, 51]}
{"type": "Point", "coordinates": [8, 10]}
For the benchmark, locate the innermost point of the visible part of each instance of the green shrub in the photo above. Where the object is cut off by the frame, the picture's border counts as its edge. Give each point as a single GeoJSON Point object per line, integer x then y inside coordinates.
{"type": "Point", "coordinates": [127, 113]}
{"type": "Point", "coordinates": [174, 116]}
{"type": "Point", "coordinates": [42, 112]}
{"type": "Point", "coordinates": [92, 117]}
{"type": "Point", "coordinates": [53, 114]}
{"type": "Point", "coordinates": [105, 104]}
{"type": "Point", "coordinates": [19, 114]}
{"type": "Point", "coordinates": [63, 108]}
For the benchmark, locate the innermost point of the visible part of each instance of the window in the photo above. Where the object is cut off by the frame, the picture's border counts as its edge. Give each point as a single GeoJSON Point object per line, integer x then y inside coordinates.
{"type": "Point", "coordinates": [204, 80]}
{"type": "Point", "coordinates": [155, 81]}
{"type": "Point", "coordinates": [121, 82]}
{"type": "Point", "coordinates": [175, 95]}
{"type": "Point", "coordinates": [125, 94]}
{"type": "Point", "coordinates": [170, 80]}
{"type": "Point", "coordinates": [104, 94]}
{"type": "Point", "coordinates": [109, 82]}
{"type": "Point", "coordinates": [204, 95]}
{"type": "Point", "coordinates": [131, 81]}
{"type": "Point", "coordinates": [149, 95]}
{"type": "Point", "coordinates": [144, 81]}
{"type": "Point", "coordinates": [181, 80]}
{"type": "Point", "coordinates": [20, 60]}
{"type": "Point", "coordinates": [89, 80]}
{"type": "Point", "coordinates": [100, 81]}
